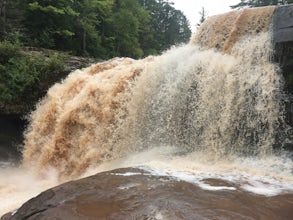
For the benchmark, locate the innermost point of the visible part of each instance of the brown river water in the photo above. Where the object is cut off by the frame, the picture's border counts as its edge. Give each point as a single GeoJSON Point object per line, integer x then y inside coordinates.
{"type": "Point", "coordinates": [195, 133]}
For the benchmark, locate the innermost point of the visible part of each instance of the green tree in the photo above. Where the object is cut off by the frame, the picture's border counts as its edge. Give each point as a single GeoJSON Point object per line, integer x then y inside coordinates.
{"type": "Point", "coordinates": [3, 18]}
{"type": "Point", "coordinates": [125, 28]}
{"type": "Point", "coordinates": [86, 39]}
{"type": "Point", "coordinates": [18, 74]}
{"type": "Point", "coordinates": [49, 22]}
{"type": "Point", "coordinates": [25, 78]}
{"type": "Point", "coordinates": [168, 25]}
{"type": "Point", "coordinates": [10, 18]}
{"type": "Point", "coordinates": [70, 25]}
{"type": "Point", "coordinates": [104, 16]}
{"type": "Point", "coordinates": [105, 28]}
{"type": "Point", "coordinates": [203, 15]}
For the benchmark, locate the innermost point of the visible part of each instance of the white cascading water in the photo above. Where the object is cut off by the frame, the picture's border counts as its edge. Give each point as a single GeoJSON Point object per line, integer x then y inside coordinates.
{"type": "Point", "coordinates": [192, 112]}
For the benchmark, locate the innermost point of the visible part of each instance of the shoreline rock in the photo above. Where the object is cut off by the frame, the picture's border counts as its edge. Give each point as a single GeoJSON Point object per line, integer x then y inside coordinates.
{"type": "Point", "coordinates": [132, 193]}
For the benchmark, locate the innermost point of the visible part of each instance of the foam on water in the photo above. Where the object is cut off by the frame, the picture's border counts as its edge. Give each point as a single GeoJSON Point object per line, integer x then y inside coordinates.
{"type": "Point", "coordinates": [17, 185]}
{"type": "Point", "coordinates": [269, 177]}
{"type": "Point", "coordinates": [193, 113]}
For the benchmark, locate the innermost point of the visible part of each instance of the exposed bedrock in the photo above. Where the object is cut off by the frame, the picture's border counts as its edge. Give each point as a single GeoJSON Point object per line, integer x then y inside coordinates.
{"type": "Point", "coordinates": [283, 40]}
{"type": "Point", "coordinates": [131, 193]}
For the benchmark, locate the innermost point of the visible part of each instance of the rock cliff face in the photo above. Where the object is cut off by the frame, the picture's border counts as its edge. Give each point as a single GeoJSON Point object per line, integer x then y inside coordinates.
{"type": "Point", "coordinates": [283, 24]}
{"type": "Point", "coordinates": [283, 40]}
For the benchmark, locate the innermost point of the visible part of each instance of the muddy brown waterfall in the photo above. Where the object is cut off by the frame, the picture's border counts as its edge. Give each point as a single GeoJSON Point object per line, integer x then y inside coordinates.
{"type": "Point", "coordinates": [207, 112]}
{"type": "Point", "coordinates": [198, 100]}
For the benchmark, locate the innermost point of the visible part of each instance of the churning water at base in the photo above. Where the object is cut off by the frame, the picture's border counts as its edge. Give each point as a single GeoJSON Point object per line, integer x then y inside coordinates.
{"type": "Point", "coordinates": [191, 113]}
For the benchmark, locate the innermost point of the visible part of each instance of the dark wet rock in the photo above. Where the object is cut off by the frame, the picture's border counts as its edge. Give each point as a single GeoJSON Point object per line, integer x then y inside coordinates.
{"type": "Point", "coordinates": [132, 193]}
{"type": "Point", "coordinates": [283, 24]}
{"type": "Point", "coordinates": [283, 42]}
{"type": "Point", "coordinates": [11, 137]}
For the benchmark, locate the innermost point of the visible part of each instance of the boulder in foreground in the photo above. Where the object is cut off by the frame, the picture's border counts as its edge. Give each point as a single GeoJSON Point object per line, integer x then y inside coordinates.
{"type": "Point", "coordinates": [132, 193]}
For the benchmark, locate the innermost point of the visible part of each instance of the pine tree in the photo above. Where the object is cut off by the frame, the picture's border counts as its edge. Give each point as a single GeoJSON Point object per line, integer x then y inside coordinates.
{"type": "Point", "coordinates": [203, 15]}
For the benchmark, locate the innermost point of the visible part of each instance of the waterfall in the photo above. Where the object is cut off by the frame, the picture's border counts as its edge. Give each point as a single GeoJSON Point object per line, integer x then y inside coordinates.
{"type": "Point", "coordinates": [210, 109]}
{"type": "Point", "coordinates": [220, 95]}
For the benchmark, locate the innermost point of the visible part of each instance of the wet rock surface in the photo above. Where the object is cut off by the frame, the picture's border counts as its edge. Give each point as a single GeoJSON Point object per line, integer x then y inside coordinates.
{"type": "Point", "coordinates": [283, 41]}
{"type": "Point", "coordinates": [283, 24]}
{"type": "Point", "coordinates": [131, 193]}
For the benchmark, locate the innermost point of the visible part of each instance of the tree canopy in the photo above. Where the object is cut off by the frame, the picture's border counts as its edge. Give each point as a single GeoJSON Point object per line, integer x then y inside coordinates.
{"type": "Point", "coordinates": [100, 28]}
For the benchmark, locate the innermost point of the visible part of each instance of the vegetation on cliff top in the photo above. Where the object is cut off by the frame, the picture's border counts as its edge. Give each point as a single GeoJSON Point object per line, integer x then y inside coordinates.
{"type": "Point", "coordinates": [25, 77]}
{"type": "Point", "coordinates": [97, 28]}
{"type": "Point", "coordinates": [88, 28]}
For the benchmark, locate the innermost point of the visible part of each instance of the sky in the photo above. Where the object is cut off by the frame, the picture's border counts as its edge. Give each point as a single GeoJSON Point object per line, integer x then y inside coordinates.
{"type": "Point", "coordinates": [191, 8]}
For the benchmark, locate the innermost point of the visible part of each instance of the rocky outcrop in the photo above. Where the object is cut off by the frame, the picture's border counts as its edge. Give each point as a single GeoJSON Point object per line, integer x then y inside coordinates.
{"type": "Point", "coordinates": [131, 193]}
{"type": "Point", "coordinates": [283, 41]}
{"type": "Point", "coordinates": [283, 24]}
{"type": "Point", "coordinates": [11, 137]}
{"type": "Point", "coordinates": [72, 62]}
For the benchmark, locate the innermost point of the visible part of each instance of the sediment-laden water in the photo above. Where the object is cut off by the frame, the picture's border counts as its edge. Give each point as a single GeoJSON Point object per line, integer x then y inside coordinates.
{"type": "Point", "coordinates": [208, 113]}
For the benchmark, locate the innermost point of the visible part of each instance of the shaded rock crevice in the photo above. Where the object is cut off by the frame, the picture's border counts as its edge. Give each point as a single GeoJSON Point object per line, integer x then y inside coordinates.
{"type": "Point", "coordinates": [283, 46]}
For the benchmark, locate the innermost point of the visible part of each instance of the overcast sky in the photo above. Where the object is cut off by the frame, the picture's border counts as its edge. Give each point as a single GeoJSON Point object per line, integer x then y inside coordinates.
{"type": "Point", "coordinates": [191, 8]}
